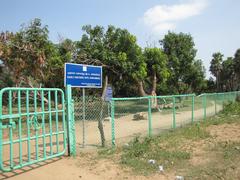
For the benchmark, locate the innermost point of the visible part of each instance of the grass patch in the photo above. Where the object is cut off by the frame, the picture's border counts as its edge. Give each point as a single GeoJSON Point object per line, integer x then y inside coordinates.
{"type": "Point", "coordinates": [140, 152]}
{"type": "Point", "coordinates": [224, 166]}
{"type": "Point", "coordinates": [164, 149]}
{"type": "Point", "coordinates": [106, 152]}
{"type": "Point", "coordinates": [169, 150]}
{"type": "Point", "coordinates": [230, 114]}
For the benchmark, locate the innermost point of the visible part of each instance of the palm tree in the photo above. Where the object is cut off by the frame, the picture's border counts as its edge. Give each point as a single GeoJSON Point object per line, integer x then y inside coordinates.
{"type": "Point", "coordinates": [216, 67]}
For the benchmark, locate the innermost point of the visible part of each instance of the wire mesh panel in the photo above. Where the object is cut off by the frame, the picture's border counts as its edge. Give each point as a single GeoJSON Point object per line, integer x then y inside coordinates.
{"type": "Point", "coordinates": [89, 112]}
{"type": "Point", "coordinates": [162, 117]}
{"type": "Point", "coordinates": [131, 118]}
{"type": "Point", "coordinates": [184, 108]}
{"type": "Point", "coordinates": [32, 126]}
{"type": "Point", "coordinates": [208, 102]}
{"type": "Point", "coordinates": [198, 112]}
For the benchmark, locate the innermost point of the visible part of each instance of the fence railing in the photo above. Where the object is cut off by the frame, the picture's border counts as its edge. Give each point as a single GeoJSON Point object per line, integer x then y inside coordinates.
{"type": "Point", "coordinates": [149, 115]}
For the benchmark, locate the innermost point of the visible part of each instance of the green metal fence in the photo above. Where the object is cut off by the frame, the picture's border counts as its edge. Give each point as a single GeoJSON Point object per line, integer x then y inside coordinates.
{"type": "Point", "coordinates": [140, 116]}
{"type": "Point", "coordinates": [32, 126]}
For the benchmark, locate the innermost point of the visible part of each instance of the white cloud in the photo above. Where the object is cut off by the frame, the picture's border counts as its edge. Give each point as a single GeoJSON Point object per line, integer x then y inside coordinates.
{"type": "Point", "coordinates": [161, 18]}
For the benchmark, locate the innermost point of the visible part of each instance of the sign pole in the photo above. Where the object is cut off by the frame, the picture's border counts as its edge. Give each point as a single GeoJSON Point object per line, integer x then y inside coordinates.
{"type": "Point", "coordinates": [84, 116]}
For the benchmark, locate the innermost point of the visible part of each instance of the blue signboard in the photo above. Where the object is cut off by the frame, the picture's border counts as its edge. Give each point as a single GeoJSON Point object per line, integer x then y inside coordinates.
{"type": "Point", "coordinates": [108, 95]}
{"type": "Point", "coordinates": [85, 76]}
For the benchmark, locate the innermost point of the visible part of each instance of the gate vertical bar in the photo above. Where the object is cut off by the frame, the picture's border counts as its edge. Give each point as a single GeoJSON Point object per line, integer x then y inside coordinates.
{"type": "Point", "coordinates": [56, 116]}
{"type": "Point", "coordinates": [11, 128]}
{"type": "Point", "coordinates": [64, 121]}
{"type": "Point", "coordinates": [28, 127]}
{"type": "Point", "coordinates": [20, 127]}
{"type": "Point", "coordinates": [35, 125]}
{"type": "Point", "coordinates": [43, 125]}
{"type": "Point", "coordinates": [50, 121]}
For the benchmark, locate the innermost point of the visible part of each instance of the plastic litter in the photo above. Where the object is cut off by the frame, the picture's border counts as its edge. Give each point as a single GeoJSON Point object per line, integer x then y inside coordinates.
{"type": "Point", "coordinates": [179, 178]}
{"type": "Point", "coordinates": [151, 161]}
{"type": "Point", "coordinates": [160, 168]}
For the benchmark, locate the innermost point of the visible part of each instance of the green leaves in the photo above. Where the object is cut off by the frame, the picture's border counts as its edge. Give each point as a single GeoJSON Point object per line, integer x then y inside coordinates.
{"type": "Point", "coordinates": [216, 63]}
{"type": "Point", "coordinates": [181, 53]}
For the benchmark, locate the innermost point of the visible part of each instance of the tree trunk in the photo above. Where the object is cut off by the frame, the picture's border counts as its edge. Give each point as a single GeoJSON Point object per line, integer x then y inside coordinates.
{"type": "Point", "coordinates": [141, 89]}
{"type": "Point", "coordinates": [105, 87]}
{"type": "Point", "coordinates": [154, 83]}
{"type": "Point", "coordinates": [100, 120]}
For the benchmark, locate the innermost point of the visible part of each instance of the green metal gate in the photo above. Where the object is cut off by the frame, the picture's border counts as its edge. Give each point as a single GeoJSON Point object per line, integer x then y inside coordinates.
{"type": "Point", "coordinates": [32, 126]}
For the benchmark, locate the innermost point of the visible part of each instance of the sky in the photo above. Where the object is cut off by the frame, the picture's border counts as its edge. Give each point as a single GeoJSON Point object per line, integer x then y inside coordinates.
{"type": "Point", "coordinates": [213, 24]}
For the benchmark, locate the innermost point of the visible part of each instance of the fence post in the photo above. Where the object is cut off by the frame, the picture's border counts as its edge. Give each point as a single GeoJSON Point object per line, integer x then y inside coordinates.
{"type": "Point", "coordinates": [70, 122]}
{"type": "Point", "coordinates": [149, 116]}
{"type": "Point", "coordinates": [215, 102]}
{"type": "Point", "coordinates": [174, 113]}
{"type": "Point", "coordinates": [113, 122]}
{"type": "Point", "coordinates": [193, 101]}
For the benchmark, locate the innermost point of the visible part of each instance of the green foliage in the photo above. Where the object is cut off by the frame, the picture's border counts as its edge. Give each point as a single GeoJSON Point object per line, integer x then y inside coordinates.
{"type": "Point", "coordinates": [236, 60]}
{"type": "Point", "coordinates": [227, 75]}
{"type": "Point", "coordinates": [182, 64]}
{"type": "Point", "coordinates": [27, 54]}
{"type": "Point", "coordinates": [226, 71]}
{"type": "Point", "coordinates": [31, 59]}
{"type": "Point", "coordinates": [196, 77]}
{"type": "Point", "coordinates": [5, 80]}
{"type": "Point", "coordinates": [216, 66]}
{"type": "Point", "coordinates": [156, 61]}
{"type": "Point", "coordinates": [116, 49]}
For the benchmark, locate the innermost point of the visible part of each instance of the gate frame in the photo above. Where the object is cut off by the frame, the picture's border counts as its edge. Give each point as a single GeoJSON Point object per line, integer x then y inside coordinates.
{"type": "Point", "coordinates": [68, 120]}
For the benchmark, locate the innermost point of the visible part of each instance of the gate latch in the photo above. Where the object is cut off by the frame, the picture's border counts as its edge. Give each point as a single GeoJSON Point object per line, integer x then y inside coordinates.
{"type": "Point", "coordinates": [11, 124]}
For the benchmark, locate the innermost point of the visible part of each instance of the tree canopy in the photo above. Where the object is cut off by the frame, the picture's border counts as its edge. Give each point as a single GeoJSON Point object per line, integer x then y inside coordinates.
{"type": "Point", "coordinates": [29, 58]}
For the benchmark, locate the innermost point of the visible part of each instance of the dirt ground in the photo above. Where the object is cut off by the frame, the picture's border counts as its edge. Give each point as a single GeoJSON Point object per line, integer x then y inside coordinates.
{"type": "Point", "coordinates": [87, 166]}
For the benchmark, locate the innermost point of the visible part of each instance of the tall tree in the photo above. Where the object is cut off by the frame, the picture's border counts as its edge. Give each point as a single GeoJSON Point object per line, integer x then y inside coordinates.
{"type": "Point", "coordinates": [227, 75]}
{"type": "Point", "coordinates": [216, 67]}
{"type": "Point", "coordinates": [26, 52]}
{"type": "Point", "coordinates": [115, 49]}
{"type": "Point", "coordinates": [196, 77]}
{"type": "Point", "coordinates": [236, 62]}
{"type": "Point", "coordinates": [156, 61]}
{"type": "Point", "coordinates": [181, 53]}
